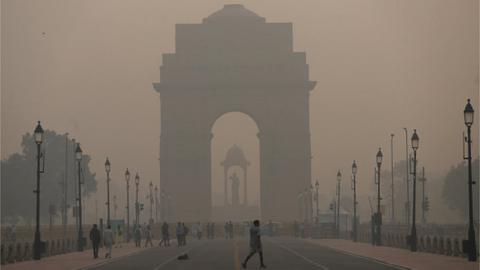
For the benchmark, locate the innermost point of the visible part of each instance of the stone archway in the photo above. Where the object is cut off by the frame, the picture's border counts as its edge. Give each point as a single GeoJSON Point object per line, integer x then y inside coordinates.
{"type": "Point", "coordinates": [234, 61]}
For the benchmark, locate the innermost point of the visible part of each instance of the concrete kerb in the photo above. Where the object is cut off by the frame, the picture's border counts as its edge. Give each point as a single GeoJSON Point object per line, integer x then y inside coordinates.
{"type": "Point", "coordinates": [400, 267]}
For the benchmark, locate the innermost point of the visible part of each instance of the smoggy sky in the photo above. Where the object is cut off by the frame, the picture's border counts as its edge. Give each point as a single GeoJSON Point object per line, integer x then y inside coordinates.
{"type": "Point", "coordinates": [87, 67]}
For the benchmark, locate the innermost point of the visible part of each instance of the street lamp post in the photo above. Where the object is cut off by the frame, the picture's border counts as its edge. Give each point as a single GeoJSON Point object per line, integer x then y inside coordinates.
{"type": "Point", "coordinates": [413, 235]}
{"type": "Point", "coordinates": [317, 185]}
{"type": "Point", "coordinates": [156, 204]}
{"type": "Point", "coordinates": [37, 247]}
{"type": "Point", "coordinates": [378, 219]}
{"type": "Point", "coordinates": [468, 114]}
{"type": "Point", "coordinates": [391, 171]}
{"type": "Point", "coordinates": [163, 203]}
{"type": "Point", "coordinates": [407, 182]}
{"type": "Point", "coordinates": [424, 198]}
{"type": "Point", "coordinates": [151, 202]}
{"type": "Point", "coordinates": [78, 157]}
{"type": "Point", "coordinates": [354, 187]}
{"type": "Point", "coordinates": [127, 180]}
{"type": "Point", "coordinates": [137, 207]}
{"type": "Point", "coordinates": [107, 169]}
{"type": "Point", "coordinates": [339, 179]}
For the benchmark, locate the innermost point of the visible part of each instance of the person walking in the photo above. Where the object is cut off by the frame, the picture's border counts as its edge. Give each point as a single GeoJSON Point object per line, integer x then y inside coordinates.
{"type": "Point", "coordinates": [165, 235]}
{"type": "Point", "coordinates": [95, 238]}
{"type": "Point", "coordinates": [185, 232]}
{"type": "Point", "coordinates": [108, 240]}
{"type": "Point", "coordinates": [226, 230]}
{"type": "Point", "coordinates": [179, 230]}
{"type": "Point", "coordinates": [199, 231]}
{"type": "Point", "coordinates": [119, 237]}
{"type": "Point", "coordinates": [148, 236]}
{"type": "Point", "coordinates": [137, 234]}
{"type": "Point", "coordinates": [255, 244]}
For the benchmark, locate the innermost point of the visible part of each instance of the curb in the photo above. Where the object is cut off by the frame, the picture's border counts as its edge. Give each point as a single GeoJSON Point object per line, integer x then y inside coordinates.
{"type": "Point", "coordinates": [401, 267]}
{"type": "Point", "coordinates": [107, 261]}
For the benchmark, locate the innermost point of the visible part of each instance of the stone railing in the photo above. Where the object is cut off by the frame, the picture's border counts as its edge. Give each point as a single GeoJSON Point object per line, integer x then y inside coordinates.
{"type": "Point", "coordinates": [438, 239]}
{"type": "Point", "coordinates": [57, 240]}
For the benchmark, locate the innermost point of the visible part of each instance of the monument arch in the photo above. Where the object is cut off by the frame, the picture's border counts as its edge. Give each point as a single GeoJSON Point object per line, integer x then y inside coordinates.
{"type": "Point", "coordinates": [234, 61]}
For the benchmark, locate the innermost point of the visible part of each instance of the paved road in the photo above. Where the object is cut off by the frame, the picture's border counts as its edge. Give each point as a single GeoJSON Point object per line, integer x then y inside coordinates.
{"type": "Point", "coordinates": [279, 253]}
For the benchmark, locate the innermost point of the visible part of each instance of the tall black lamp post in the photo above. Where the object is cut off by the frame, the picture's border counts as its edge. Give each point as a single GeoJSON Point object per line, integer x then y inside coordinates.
{"type": "Point", "coordinates": [137, 206]}
{"type": "Point", "coordinates": [378, 218]}
{"type": "Point", "coordinates": [468, 114]}
{"type": "Point", "coordinates": [354, 187]}
{"type": "Point", "coordinates": [151, 202]}
{"type": "Point", "coordinates": [317, 185]}
{"type": "Point", "coordinates": [339, 179]}
{"type": "Point", "coordinates": [78, 157]}
{"type": "Point", "coordinates": [413, 235]}
{"type": "Point", "coordinates": [156, 204]}
{"type": "Point", "coordinates": [127, 180]}
{"type": "Point", "coordinates": [107, 170]}
{"type": "Point", "coordinates": [37, 246]}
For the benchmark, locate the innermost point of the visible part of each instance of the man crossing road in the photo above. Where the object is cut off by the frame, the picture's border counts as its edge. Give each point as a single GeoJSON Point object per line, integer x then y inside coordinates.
{"type": "Point", "coordinates": [255, 244]}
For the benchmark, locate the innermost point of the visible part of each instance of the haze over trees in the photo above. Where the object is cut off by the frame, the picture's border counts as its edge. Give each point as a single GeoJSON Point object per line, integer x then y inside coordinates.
{"type": "Point", "coordinates": [18, 179]}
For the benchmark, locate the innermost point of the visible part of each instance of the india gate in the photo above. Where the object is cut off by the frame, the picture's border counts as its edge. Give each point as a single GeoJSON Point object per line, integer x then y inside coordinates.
{"type": "Point", "coordinates": [234, 61]}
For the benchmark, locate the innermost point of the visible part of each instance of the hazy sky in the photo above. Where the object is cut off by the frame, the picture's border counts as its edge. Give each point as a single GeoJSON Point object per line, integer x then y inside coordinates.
{"type": "Point", "coordinates": [86, 68]}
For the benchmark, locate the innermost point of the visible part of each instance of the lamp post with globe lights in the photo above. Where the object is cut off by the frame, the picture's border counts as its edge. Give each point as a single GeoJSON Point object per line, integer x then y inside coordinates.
{"type": "Point", "coordinates": [468, 114]}
{"type": "Point", "coordinates": [37, 245]}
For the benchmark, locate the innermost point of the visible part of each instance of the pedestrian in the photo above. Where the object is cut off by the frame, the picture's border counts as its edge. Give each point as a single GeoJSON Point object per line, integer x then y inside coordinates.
{"type": "Point", "coordinates": [226, 230]}
{"type": "Point", "coordinates": [230, 229]}
{"type": "Point", "coordinates": [165, 235]}
{"type": "Point", "coordinates": [95, 238]}
{"type": "Point", "coordinates": [108, 240]}
{"type": "Point", "coordinates": [199, 231]}
{"type": "Point", "coordinates": [302, 230]}
{"type": "Point", "coordinates": [185, 232]}
{"type": "Point", "coordinates": [255, 244]}
{"type": "Point", "coordinates": [137, 234]}
{"type": "Point", "coordinates": [148, 236]}
{"type": "Point", "coordinates": [179, 230]}
{"type": "Point", "coordinates": [209, 232]}
{"type": "Point", "coordinates": [295, 228]}
{"type": "Point", "coordinates": [212, 230]}
{"type": "Point", "coordinates": [119, 237]}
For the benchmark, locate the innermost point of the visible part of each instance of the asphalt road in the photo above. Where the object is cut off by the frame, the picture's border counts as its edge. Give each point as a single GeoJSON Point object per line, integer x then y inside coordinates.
{"type": "Point", "coordinates": [279, 253]}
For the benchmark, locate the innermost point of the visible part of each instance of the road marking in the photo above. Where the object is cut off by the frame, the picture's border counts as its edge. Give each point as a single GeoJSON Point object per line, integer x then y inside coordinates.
{"type": "Point", "coordinates": [236, 255]}
{"type": "Point", "coordinates": [303, 257]}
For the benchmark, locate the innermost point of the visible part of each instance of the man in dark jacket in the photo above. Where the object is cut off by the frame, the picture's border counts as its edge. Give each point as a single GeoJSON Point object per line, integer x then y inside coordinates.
{"type": "Point", "coordinates": [95, 238]}
{"type": "Point", "coordinates": [255, 244]}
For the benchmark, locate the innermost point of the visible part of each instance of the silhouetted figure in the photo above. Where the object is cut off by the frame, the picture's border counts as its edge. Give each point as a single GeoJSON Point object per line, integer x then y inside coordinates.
{"type": "Point", "coordinates": [137, 235]}
{"type": "Point", "coordinates": [119, 237]}
{"type": "Point", "coordinates": [185, 232]}
{"type": "Point", "coordinates": [230, 229]}
{"type": "Point", "coordinates": [165, 235]}
{"type": "Point", "coordinates": [108, 240]}
{"type": "Point", "coordinates": [179, 230]}
{"type": "Point", "coordinates": [255, 244]}
{"type": "Point", "coordinates": [148, 236]}
{"type": "Point", "coordinates": [95, 238]}
{"type": "Point", "coordinates": [226, 230]}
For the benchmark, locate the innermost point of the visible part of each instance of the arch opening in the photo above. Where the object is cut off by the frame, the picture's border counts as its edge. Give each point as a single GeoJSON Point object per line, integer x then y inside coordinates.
{"type": "Point", "coordinates": [235, 168]}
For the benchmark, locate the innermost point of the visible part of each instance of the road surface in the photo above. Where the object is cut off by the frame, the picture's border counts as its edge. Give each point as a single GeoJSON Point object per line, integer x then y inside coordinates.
{"type": "Point", "coordinates": [279, 253]}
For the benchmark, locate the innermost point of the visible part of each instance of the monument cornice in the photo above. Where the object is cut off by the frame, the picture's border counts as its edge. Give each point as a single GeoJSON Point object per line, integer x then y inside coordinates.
{"type": "Point", "coordinates": [260, 86]}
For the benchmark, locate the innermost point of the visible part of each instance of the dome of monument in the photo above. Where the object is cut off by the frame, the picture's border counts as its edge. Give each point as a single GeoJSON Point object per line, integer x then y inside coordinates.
{"type": "Point", "coordinates": [235, 156]}
{"type": "Point", "coordinates": [234, 12]}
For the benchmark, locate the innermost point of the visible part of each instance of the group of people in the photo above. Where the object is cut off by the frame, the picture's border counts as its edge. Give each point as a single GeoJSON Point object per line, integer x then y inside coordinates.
{"type": "Point", "coordinates": [210, 230]}
{"type": "Point", "coordinates": [228, 228]}
{"type": "Point", "coordinates": [140, 232]}
{"type": "Point", "coordinates": [181, 232]}
{"type": "Point", "coordinates": [96, 238]}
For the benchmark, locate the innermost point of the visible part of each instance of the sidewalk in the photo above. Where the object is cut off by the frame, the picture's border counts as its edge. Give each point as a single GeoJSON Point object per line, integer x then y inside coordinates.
{"type": "Point", "coordinates": [398, 256]}
{"type": "Point", "coordinates": [75, 260]}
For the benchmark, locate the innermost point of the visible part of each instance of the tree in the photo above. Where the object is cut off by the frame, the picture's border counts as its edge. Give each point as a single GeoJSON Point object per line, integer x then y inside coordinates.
{"type": "Point", "coordinates": [455, 188]}
{"type": "Point", "coordinates": [18, 177]}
